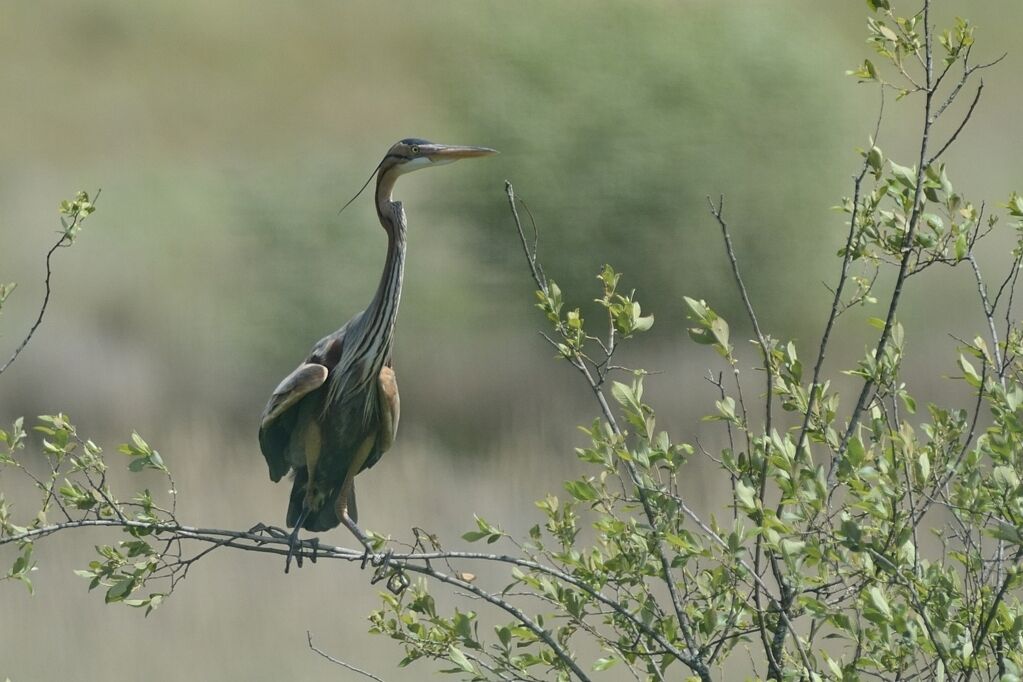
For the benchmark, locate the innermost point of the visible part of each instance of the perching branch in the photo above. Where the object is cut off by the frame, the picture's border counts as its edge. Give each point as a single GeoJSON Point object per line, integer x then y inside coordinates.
{"type": "Point", "coordinates": [387, 564]}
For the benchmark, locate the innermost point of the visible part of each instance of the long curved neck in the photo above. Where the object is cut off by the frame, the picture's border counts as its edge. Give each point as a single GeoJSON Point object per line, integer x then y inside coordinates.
{"type": "Point", "coordinates": [379, 317]}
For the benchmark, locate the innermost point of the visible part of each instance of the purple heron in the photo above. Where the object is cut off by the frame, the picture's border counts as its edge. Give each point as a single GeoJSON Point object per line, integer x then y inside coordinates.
{"type": "Point", "coordinates": [337, 413]}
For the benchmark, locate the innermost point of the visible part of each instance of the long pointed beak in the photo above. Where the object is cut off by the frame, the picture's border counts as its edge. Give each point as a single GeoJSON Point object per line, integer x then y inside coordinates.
{"type": "Point", "coordinates": [452, 152]}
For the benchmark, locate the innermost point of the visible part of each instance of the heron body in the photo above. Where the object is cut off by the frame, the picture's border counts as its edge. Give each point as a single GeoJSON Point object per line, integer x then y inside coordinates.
{"type": "Point", "coordinates": [337, 413]}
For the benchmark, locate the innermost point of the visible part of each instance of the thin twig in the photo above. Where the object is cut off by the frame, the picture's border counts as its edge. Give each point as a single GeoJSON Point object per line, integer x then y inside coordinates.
{"type": "Point", "coordinates": [962, 124]}
{"type": "Point", "coordinates": [772, 649]}
{"type": "Point", "coordinates": [720, 541]}
{"type": "Point", "coordinates": [538, 276]}
{"type": "Point", "coordinates": [992, 612]}
{"type": "Point", "coordinates": [989, 314]}
{"type": "Point", "coordinates": [914, 220]}
{"type": "Point", "coordinates": [718, 213]}
{"type": "Point", "coordinates": [338, 661]}
{"type": "Point", "coordinates": [65, 240]}
{"type": "Point", "coordinates": [842, 279]}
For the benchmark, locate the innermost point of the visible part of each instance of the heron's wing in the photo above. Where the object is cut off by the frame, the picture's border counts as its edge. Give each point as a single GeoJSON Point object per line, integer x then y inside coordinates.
{"type": "Point", "coordinates": [306, 378]}
{"type": "Point", "coordinates": [390, 409]}
{"type": "Point", "coordinates": [279, 415]}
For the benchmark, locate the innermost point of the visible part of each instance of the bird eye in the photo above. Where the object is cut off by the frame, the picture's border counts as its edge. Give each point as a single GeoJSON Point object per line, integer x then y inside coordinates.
{"type": "Point", "coordinates": [415, 149]}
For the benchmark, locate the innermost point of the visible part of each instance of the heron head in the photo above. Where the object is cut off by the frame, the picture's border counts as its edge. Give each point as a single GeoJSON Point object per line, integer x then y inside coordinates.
{"type": "Point", "coordinates": [412, 154]}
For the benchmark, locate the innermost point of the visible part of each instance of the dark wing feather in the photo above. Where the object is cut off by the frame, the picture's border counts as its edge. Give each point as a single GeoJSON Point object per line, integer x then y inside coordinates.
{"type": "Point", "coordinates": [279, 415]}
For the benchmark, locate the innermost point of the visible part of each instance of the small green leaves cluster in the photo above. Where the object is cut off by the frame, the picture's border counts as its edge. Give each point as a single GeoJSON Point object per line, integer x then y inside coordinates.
{"type": "Point", "coordinates": [12, 441]}
{"type": "Point", "coordinates": [624, 314]}
{"type": "Point", "coordinates": [124, 569]}
{"type": "Point", "coordinates": [73, 491]}
{"type": "Point", "coordinates": [709, 329]}
{"type": "Point", "coordinates": [850, 545]}
{"type": "Point", "coordinates": [623, 311]}
{"type": "Point", "coordinates": [73, 213]}
{"type": "Point", "coordinates": [456, 641]}
{"type": "Point", "coordinates": [485, 531]}
{"type": "Point", "coordinates": [944, 225]}
{"type": "Point", "coordinates": [573, 578]}
{"type": "Point", "coordinates": [142, 456]}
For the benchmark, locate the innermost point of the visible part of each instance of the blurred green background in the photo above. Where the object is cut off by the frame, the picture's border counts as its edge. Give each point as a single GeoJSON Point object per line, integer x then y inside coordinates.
{"type": "Point", "coordinates": [226, 135]}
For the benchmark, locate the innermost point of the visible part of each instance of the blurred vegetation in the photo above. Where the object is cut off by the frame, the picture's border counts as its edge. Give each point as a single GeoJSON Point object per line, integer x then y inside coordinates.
{"type": "Point", "coordinates": [226, 135]}
{"type": "Point", "coordinates": [656, 122]}
{"type": "Point", "coordinates": [227, 139]}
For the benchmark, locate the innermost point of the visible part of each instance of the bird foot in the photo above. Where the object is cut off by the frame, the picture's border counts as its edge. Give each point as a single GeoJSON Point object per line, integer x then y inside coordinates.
{"type": "Point", "coordinates": [269, 531]}
{"type": "Point", "coordinates": [293, 544]}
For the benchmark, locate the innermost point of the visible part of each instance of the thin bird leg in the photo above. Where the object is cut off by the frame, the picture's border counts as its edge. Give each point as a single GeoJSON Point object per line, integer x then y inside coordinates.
{"type": "Point", "coordinates": [345, 494]}
{"type": "Point", "coordinates": [294, 543]}
{"type": "Point", "coordinates": [342, 511]}
{"type": "Point", "coordinates": [359, 535]}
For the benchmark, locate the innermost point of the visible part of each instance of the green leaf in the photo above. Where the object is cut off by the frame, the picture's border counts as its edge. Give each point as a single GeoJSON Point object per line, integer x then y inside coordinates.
{"type": "Point", "coordinates": [622, 393]}
{"type": "Point", "coordinates": [879, 602]}
{"type": "Point", "coordinates": [582, 490]}
{"type": "Point", "coordinates": [961, 246]}
{"type": "Point", "coordinates": [906, 176]}
{"type": "Point", "coordinates": [726, 407]}
{"type": "Point", "coordinates": [1003, 530]}
{"type": "Point", "coordinates": [924, 466]}
{"type": "Point", "coordinates": [875, 159]}
{"type": "Point", "coordinates": [969, 373]}
{"type": "Point", "coordinates": [865, 72]}
{"type": "Point", "coordinates": [792, 548]}
{"type": "Point", "coordinates": [700, 336]}
{"type": "Point", "coordinates": [504, 634]}
{"type": "Point", "coordinates": [642, 324]}
{"type": "Point", "coordinates": [934, 222]}
{"type": "Point", "coordinates": [459, 659]}
{"type": "Point", "coordinates": [746, 495]}
{"type": "Point", "coordinates": [719, 328]}
{"type": "Point", "coordinates": [604, 663]}
{"type": "Point", "coordinates": [120, 589]}
{"type": "Point", "coordinates": [139, 443]}
{"type": "Point", "coordinates": [1005, 478]}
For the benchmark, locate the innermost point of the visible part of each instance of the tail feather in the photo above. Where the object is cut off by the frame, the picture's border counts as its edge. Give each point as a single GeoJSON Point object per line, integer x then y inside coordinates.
{"type": "Point", "coordinates": [326, 517]}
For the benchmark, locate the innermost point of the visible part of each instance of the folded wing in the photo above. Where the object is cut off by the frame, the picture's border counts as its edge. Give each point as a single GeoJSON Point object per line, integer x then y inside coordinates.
{"type": "Point", "coordinates": [280, 413]}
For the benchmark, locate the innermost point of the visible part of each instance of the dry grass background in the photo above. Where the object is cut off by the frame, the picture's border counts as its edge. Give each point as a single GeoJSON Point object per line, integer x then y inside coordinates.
{"type": "Point", "coordinates": [225, 136]}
